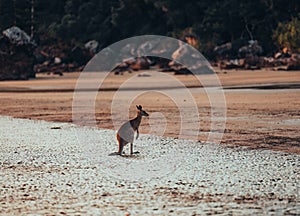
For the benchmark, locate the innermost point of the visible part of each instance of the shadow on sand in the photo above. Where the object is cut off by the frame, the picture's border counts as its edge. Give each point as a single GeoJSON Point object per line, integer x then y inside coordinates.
{"type": "Point", "coordinates": [135, 155]}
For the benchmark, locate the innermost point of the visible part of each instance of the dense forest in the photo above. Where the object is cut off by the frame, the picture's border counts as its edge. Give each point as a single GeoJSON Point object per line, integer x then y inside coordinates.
{"type": "Point", "coordinates": [273, 23]}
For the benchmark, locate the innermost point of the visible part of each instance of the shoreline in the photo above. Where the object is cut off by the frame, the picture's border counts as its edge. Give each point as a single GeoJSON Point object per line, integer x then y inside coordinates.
{"type": "Point", "coordinates": [256, 118]}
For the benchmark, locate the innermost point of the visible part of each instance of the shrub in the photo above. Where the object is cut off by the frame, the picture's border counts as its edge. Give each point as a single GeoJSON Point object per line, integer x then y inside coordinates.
{"type": "Point", "coordinates": [287, 35]}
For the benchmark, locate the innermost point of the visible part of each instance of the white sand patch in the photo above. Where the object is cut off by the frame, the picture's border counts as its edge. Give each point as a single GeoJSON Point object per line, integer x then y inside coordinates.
{"type": "Point", "coordinates": [68, 169]}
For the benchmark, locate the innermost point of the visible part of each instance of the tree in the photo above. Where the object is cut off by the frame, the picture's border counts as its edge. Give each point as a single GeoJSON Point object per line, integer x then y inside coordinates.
{"type": "Point", "coordinates": [287, 34]}
{"type": "Point", "coordinates": [7, 14]}
{"type": "Point", "coordinates": [136, 17]}
{"type": "Point", "coordinates": [214, 21]}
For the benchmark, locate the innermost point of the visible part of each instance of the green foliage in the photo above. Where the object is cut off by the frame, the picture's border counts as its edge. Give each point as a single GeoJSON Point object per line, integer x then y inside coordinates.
{"type": "Point", "coordinates": [288, 34]}
{"type": "Point", "coordinates": [213, 21]}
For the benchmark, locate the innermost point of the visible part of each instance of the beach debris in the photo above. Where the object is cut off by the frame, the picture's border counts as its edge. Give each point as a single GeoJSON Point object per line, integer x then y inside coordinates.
{"type": "Point", "coordinates": [223, 50]}
{"type": "Point", "coordinates": [55, 127]}
{"type": "Point", "coordinates": [182, 54]}
{"type": "Point", "coordinates": [133, 64]}
{"type": "Point", "coordinates": [141, 63]}
{"type": "Point", "coordinates": [60, 57]}
{"type": "Point", "coordinates": [234, 55]}
{"type": "Point", "coordinates": [144, 74]}
{"type": "Point", "coordinates": [252, 49]}
{"type": "Point", "coordinates": [283, 60]}
{"type": "Point", "coordinates": [186, 60]}
{"type": "Point", "coordinates": [294, 62]}
{"type": "Point", "coordinates": [230, 64]}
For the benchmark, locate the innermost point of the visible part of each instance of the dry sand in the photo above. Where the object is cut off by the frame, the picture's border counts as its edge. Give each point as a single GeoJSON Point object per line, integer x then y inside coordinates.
{"type": "Point", "coordinates": [47, 169]}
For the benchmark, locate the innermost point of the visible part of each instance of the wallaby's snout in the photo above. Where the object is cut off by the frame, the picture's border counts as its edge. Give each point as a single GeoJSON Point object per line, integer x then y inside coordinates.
{"type": "Point", "coordinates": [144, 113]}
{"type": "Point", "coordinates": [141, 111]}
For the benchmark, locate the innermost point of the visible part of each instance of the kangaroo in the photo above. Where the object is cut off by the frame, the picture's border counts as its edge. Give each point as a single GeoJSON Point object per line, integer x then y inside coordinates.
{"type": "Point", "coordinates": [125, 134]}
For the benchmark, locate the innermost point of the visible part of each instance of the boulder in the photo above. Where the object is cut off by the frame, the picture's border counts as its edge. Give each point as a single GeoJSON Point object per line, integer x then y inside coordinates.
{"type": "Point", "coordinates": [16, 55]}
{"type": "Point", "coordinates": [294, 62]}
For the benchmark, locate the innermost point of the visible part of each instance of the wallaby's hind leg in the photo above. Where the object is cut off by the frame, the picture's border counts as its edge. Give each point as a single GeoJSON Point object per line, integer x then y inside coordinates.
{"type": "Point", "coordinates": [121, 144]}
{"type": "Point", "coordinates": [131, 148]}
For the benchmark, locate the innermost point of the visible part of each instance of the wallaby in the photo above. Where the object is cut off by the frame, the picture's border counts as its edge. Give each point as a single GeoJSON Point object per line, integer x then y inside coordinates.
{"type": "Point", "coordinates": [125, 134]}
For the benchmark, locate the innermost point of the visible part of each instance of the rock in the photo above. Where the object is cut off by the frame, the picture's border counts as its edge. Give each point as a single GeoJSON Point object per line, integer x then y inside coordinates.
{"type": "Point", "coordinates": [92, 46]}
{"type": "Point", "coordinates": [17, 36]}
{"type": "Point", "coordinates": [16, 59]}
{"type": "Point", "coordinates": [294, 62]}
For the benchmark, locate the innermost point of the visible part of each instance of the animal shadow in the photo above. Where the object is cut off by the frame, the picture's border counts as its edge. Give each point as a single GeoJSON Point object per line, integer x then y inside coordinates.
{"type": "Point", "coordinates": [113, 154]}
{"type": "Point", "coordinates": [135, 155]}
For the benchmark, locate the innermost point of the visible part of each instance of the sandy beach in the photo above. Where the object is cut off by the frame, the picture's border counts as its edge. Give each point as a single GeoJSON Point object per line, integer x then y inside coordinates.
{"type": "Point", "coordinates": [262, 106]}
{"type": "Point", "coordinates": [51, 166]}
{"type": "Point", "coordinates": [127, 108]}
{"type": "Point", "coordinates": [47, 170]}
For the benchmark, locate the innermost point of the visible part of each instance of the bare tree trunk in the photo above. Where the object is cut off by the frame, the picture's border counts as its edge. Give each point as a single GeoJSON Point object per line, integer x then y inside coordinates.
{"type": "Point", "coordinates": [15, 12]}
{"type": "Point", "coordinates": [247, 29]}
{"type": "Point", "coordinates": [32, 19]}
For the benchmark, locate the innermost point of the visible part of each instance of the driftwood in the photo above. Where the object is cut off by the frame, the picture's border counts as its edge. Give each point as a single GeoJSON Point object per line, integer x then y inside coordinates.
{"type": "Point", "coordinates": [133, 64]}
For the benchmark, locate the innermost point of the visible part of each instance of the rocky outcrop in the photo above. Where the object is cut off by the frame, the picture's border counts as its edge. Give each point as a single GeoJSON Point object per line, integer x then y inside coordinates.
{"type": "Point", "coordinates": [16, 56]}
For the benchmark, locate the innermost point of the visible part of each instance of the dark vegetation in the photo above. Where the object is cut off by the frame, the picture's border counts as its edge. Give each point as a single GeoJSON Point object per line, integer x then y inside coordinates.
{"type": "Point", "coordinates": [68, 25]}
{"type": "Point", "coordinates": [214, 21]}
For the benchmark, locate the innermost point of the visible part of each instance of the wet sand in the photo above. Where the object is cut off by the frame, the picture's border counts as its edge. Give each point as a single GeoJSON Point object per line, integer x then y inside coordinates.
{"type": "Point", "coordinates": [257, 116]}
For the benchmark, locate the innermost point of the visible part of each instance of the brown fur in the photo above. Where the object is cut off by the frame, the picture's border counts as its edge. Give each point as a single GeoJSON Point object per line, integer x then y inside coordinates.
{"type": "Point", "coordinates": [125, 134]}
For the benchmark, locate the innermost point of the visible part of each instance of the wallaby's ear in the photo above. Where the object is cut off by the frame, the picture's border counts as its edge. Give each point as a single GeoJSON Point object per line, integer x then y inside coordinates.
{"type": "Point", "coordinates": [139, 107]}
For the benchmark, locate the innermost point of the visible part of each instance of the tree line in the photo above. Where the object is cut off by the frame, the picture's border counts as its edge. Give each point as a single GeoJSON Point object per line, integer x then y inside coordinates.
{"type": "Point", "coordinates": [273, 23]}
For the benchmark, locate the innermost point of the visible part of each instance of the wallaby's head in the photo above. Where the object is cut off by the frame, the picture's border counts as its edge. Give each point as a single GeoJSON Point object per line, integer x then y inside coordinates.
{"type": "Point", "coordinates": [141, 112]}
